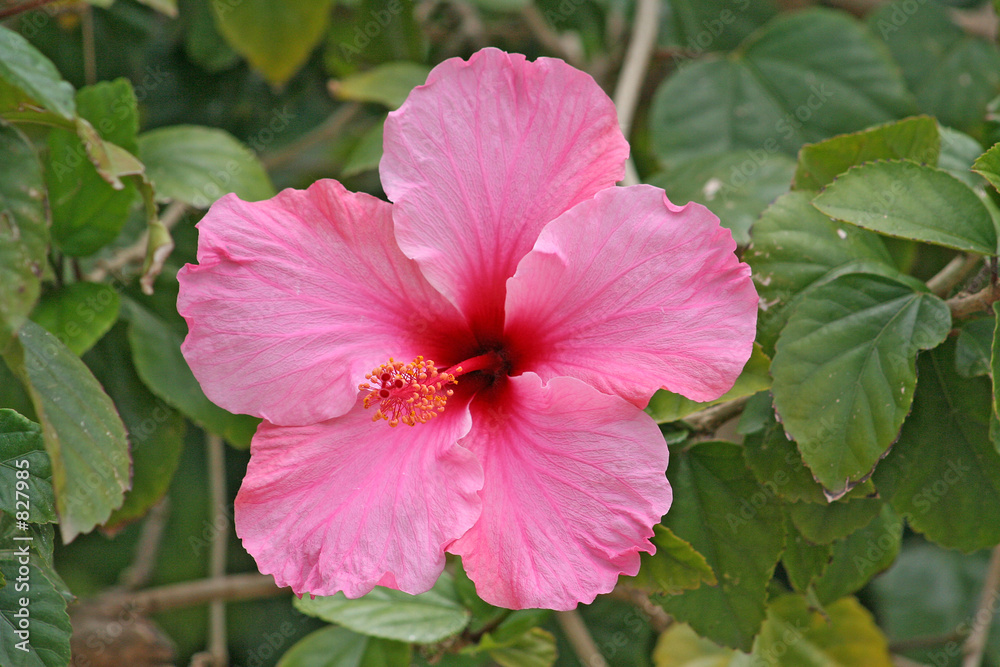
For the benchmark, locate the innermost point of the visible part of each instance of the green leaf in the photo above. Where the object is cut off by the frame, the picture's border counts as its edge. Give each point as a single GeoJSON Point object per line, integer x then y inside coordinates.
{"type": "Point", "coordinates": [943, 474]}
{"type": "Point", "coordinates": [845, 370]}
{"type": "Point", "coordinates": [78, 314]}
{"type": "Point", "coordinates": [722, 511]}
{"type": "Point", "coordinates": [973, 348]}
{"type": "Point", "coordinates": [680, 646]}
{"type": "Point", "coordinates": [202, 42]}
{"type": "Point", "coordinates": [958, 153]}
{"type": "Point", "coordinates": [735, 186]}
{"type": "Point", "coordinates": [366, 154]}
{"type": "Point", "coordinates": [40, 541]}
{"type": "Point", "coordinates": [911, 201]}
{"type": "Point", "coordinates": [826, 522]}
{"type": "Point", "coordinates": [339, 647]}
{"type": "Point", "coordinates": [844, 634]}
{"type": "Point", "coordinates": [390, 614]}
{"type": "Point", "coordinates": [111, 107]}
{"type": "Point", "coordinates": [84, 436]}
{"type": "Point", "coordinates": [803, 561]}
{"type": "Point", "coordinates": [794, 247]}
{"type": "Point", "coordinates": [386, 84]}
{"type": "Point", "coordinates": [952, 74]}
{"type": "Point", "coordinates": [805, 76]}
{"type": "Point", "coordinates": [675, 566]}
{"type": "Point", "coordinates": [26, 69]}
{"type": "Point", "coordinates": [916, 139]}
{"type": "Point", "coordinates": [156, 432]}
{"type": "Point", "coordinates": [534, 648]}
{"type": "Point", "coordinates": [987, 165]}
{"type": "Point", "coordinates": [44, 641]}
{"type": "Point", "coordinates": [276, 38]}
{"type": "Point", "coordinates": [165, 7]}
{"type": "Point", "coordinates": [156, 352]}
{"type": "Point", "coordinates": [24, 234]}
{"type": "Point", "coordinates": [24, 463]}
{"type": "Point", "coordinates": [666, 406]}
{"type": "Point", "coordinates": [716, 25]}
{"type": "Point", "coordinates": [197, 165]}
{"type": "Point", "coordinates": [860, 556]}
{"type": "Point", "coordinates": [777, 464]}
{"type": "Point", "coordinates": [87, 211]}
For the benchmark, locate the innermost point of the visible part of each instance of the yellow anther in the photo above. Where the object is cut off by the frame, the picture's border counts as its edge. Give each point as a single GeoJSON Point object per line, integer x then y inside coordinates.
{"type": "Point", "coordinates": [408, 393]}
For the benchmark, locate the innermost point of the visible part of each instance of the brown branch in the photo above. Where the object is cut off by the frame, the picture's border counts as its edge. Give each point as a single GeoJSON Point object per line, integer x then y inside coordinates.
{"type": "Point", "coordinates": [952, 274]}
{"type": "Point", "coordinates": [579, 638]}
{"type": "Point", "coordinates": [981, 22]}
{"type": "Point", "coordinates": [199, 592]}
{"type": "Point", "coordinates": [148, 548]}
{"type": "Point", "coordinates": [902, 661]}
{"type": "Point", "coordinates": [89, 50]}
{"type": "Point", "coordinates": [925, 642]}
{"type": "Point", "coordinates": [645, 28]}
{"type": "Point", "coordinates": [563, 46]}
{"type": "Point", "coordinates": [658, 619]}
{"type": "Point", "coordinates": [325, 131]}
{"type": "Point", "coordinates": [7, 12]}
{"type": "Point", "coordinates": [965, 305]}
{"type": "Point", "coordinates": [136, 253]}
{"type": "Point", "coordinates": [709, 419]}
{"type": "Point", "coordinates": [216, 454]}
{"type": "Point", "coordinates": [975, 643]}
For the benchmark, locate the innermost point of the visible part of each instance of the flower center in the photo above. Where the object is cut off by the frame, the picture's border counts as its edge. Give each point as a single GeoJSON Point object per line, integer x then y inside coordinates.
{"type": "Point", "coordinates": [409, 393]}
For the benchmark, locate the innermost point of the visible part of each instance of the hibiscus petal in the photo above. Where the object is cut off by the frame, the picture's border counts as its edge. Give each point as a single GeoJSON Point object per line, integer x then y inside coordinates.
{"type": "Point", "coordinates": [297, 297]}
{"type": "Point", "coordinates": [631, 293]}
{"type": "Point", "coordinates": [346, 504]}
{"type": "Point", "coordinates": [480, 158]}
{"type": "Point", "coordinates": [575, 481]}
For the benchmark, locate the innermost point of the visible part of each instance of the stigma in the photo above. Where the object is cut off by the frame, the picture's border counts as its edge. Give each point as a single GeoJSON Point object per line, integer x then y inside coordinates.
{"type": "Point", "coordinates": [410, 394]}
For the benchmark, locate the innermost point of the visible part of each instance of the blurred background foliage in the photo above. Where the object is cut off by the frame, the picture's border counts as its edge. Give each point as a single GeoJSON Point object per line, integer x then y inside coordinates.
{"type": "Point", "coordinates": [297, 90]}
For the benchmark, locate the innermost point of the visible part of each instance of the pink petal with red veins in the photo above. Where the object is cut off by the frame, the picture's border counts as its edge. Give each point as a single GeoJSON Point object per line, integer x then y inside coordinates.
{"type": "Point", "coordinates": [480, 158]}
{"type": "Point", "coordinates": [631, 293]}
{"type": "Point", "coordinates": [346, 504]}
{"type": "Point", "coordinates": [575, 481]}
{"type": "Point", "coordinates": [295, 298]}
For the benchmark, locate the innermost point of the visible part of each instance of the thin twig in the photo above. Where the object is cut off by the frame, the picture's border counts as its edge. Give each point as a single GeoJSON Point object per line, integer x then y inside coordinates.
{"type": "Point", "coordinates": [952, 274]}
{"type": "Point", "coordinates": [709, 419]}
{"type": "Point", "coordinates": [325, 131]}
{"type": "Point", "coordinates": [7, 12]}
{"type": "Point", "coordinates": [470, 26]}
{"type": "Point", "coordinates": [216, 454]}
{"type": "Point", "coordinates": [148, 548]}
{"type": "Point", "coordinates": [633, 73]}
{"type": "Point", "coordinates": [902, 661]}
{"type": "Point", "coordinates": [658, 619]}
{"type": "Point", "coordinates": [136, 253]}
{"type": "Point", "coordinates": [89, 50]}
{"type": "Point", "coordinates": [975, 643]}
{"type": "Point", "coordinates": [567, 49]}
{"type": "Point", "coordinates": [201, 591]}
{"type": "Point", "coordinates": [579, 638]}
{"type": "Point", "coordinates": [925, 642]}
{"type": "Point", "coordinates": [981, 21]}
{"type": "Point", "coordinates": [963, 306]}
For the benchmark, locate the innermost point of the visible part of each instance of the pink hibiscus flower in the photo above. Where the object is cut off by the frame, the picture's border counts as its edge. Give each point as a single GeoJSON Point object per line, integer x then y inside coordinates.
{"type": "Point", "coordinates": [512, 311]}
